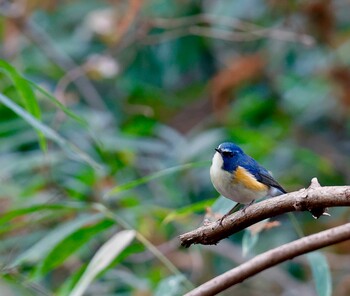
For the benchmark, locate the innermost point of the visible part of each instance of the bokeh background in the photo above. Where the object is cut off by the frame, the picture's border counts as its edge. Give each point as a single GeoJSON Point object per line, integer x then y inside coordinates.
{"type": "Point", "coordinates": [117, 107]}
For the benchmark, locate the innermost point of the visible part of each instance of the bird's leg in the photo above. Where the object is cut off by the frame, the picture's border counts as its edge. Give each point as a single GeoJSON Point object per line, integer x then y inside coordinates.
{"type": "Point", "coordinates": [247, 205]}
{"type": "Point", "coordinates": [229, 212]}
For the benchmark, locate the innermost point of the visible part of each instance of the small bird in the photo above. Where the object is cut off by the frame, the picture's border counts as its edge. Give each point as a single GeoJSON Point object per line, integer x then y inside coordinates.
{"type": "Point", "coordinates": [237, 176]}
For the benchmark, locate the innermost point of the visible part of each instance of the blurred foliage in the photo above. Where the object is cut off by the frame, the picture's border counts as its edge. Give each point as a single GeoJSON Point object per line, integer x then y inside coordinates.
{"type": "Point", "coordinates": [110, 113]}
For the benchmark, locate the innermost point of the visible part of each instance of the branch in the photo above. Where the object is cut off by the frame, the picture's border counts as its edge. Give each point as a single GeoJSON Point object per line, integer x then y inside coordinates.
{"type": "Point", "coordinates": [235, 29]}
{"type": "Point", "coordinates": [43, 41]}
{"type": "Point", "coordinates": [313, 198]}
{"type": "Point", "coordinates": [273, 257]}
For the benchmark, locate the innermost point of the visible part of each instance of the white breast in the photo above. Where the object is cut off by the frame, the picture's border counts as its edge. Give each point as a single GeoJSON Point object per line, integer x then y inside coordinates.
{"type": "Point", "coordinates": [223, 183]}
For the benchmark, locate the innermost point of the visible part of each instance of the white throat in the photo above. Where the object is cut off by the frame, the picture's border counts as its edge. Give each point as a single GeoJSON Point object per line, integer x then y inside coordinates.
{"type": "Point", "coordinates": [217, 161]}
{"type": "Point", "coordinates": [224, 183]}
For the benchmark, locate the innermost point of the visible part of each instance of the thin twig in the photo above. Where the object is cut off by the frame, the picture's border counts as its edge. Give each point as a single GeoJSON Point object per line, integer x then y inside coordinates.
{"type": "Point", "coordinates": [210, 25]}
{"type": "Point", "coordinates": [303, 200]}
{"type": "Point", "coordinates": [45, 44]}
{"type": "Point", "coordinates": [271, 258]}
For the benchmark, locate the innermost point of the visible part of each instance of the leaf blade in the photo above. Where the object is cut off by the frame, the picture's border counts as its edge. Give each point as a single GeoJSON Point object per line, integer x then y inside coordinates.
{"type": "Point", "coordinates": [49, 133]}
{"type": "Point", "coordinates": [321, 273]}
{"type": "Point", "coordinates": [71, 244]}
{"type": "Point", "coordinates": [105, 254]}
{"type": "Point", "coordinates": [61, 106]}
{"type": "Point", "coordinates": [27, 94]}
{"type": "Point", "coordinates": [148, 178]}
{"type": "Point", "coordinates": [45, 245]}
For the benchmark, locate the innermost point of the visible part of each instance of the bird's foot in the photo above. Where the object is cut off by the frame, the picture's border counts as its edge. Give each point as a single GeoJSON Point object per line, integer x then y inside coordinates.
{"type": "Point", "coordinates": [247, 205]}
{"type": "Point", "coordinates": [223, 218]}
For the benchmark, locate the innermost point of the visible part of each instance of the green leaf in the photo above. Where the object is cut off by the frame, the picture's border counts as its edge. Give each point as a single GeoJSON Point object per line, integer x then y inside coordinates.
{"type": "Point", "coordinates": [57, 103]}
{"type": "Point", "coordinates": [71, 244]}
{"type": "Point", "coordinates": [321, 273]}
{"type": "Point", "coordinates": [162, 173]}
{"type": "Point", "coordinates": [171, 286]}
{"type": "Point", "coordinates": [45, 245]}
{"type": "Point", "coordinates": [185, 211]}
{"type": "Point", "coordinates": [103, 257]}
{"type": "Point", "coordinates": [27, 94]}
{"type": "Point", "coordinates": [69, 147]}
{"type": "Point", "coordinates": [67, 286]}
{"type": "Point", "coordinates": [8, 216]}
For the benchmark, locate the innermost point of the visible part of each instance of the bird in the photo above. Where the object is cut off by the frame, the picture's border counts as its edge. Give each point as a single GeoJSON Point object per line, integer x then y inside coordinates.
{"type": "Point", "coordinates": [239, 177]}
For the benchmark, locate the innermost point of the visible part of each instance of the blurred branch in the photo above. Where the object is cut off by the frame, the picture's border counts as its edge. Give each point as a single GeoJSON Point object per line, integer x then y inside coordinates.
{"type": "Point", "coordinates": [273, 257]}
{"type": "Point", "coordinates": [252, 35]}
{"type": "Point", "coordinates": [45, 44]}
{"type": "Point", "coordinates": [211, 26]}
{"type": "Point", "coordinates": [313, 198]}
{"type": "Point", "coordinates": [128, 18]}
{"type": "Point", "coordinates": [327, 147]}
{"type": "Point", "coordinates": [275, 276]}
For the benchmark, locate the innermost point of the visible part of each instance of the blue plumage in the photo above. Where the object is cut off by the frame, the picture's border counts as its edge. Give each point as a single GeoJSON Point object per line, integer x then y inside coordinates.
{"type": "Point", "coordinates": [239, 177]}
{"type": "Point", "coordinates": [233, 157]}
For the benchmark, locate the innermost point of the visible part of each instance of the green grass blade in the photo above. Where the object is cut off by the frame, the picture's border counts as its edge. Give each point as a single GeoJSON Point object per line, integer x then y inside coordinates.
{"type": "Point", "coordinates": [71, 244]}
{"type": "Point", "coordinates": [103, 257]}
{"type": "Point", "coordinates": [70, 282]}
{"type": "Point", "coordinates": [185, 211]}
{"type": "Point", "coordinates": [66, 110]}
{"type": "Point", "coordinates": [8, 216]}
{"type": "Point", "coordinates": [27, 94]}
{"type": "Point", "coordinates": [162, 173]}
{"type": "Point", "coordinates": [74, 151]}
{"type": "Point", "coordinates": [142, 239]}
{"type": "Point", "coordinates": [43, 247]}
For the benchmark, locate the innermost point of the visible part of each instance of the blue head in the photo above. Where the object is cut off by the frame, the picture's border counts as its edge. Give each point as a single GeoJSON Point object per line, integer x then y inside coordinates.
{"type": "Point", "coordinates": [230, 154]}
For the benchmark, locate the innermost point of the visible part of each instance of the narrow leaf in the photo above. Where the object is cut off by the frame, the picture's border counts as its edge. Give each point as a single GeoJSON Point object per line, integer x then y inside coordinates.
{"type": "Point", "coordinates": [73, 150]}
{"type": "Point", "coordinates": [70, 245]}
{"type": "Point", "coordinates": [57, 103]}
{"type": "Point", "coordinates": [27, 94]}
{"type": "Point", "coordinates": [44, 246]}
{"type": "Point", "coordinates": [8, 216]}
{"type": "Point", "coordinates": [321, 273]}
{"type": "Point", "coordinates": [185, 211]}
{"type": "Point", "coordinates": [162, 173]}
{"type": "Point", "coordinates": [103, 257]}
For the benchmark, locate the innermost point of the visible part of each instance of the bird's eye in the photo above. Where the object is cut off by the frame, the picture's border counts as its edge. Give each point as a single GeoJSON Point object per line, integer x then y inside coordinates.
{"type": "Point", "coordinates": [228, 153]}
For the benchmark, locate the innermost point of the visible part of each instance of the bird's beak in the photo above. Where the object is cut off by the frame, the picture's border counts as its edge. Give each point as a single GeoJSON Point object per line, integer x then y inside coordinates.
{"type": "Point", "coordinates": [217, 150]}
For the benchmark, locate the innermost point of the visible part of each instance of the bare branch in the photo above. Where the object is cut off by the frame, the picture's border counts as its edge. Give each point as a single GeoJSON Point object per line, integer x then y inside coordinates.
{"type": "Point", "coordinates": [271, 258]}
{"type": "Point", "coordinates": [235, 30]}
{"type": "Point", "coordinates": [45, 44]}
{"type": "Point", "coordinates": [312, 198]}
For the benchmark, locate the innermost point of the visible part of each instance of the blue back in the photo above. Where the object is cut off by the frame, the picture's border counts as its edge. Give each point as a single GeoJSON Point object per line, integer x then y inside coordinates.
{"type": "Point", "coordinates": [238, 158]}
{"type": "Point", "coordinates": [233, 156]}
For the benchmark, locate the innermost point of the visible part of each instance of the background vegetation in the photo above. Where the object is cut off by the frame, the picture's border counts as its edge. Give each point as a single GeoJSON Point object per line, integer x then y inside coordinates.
{"type": "Point", "coordinates": [110, 111]}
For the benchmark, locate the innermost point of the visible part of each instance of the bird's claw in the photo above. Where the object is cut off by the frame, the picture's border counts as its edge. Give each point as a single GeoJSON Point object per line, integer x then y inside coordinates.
{"type": "Point", "coordinates": [222, 219]}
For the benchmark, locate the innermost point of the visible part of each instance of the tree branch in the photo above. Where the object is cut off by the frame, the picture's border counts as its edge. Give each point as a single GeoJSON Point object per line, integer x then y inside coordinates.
{"type": "Point", "coordinates": [271, 258]}
{"type": "Point", "coordinates": [313, 198]}
{"type": "Point", "coordinates": [76, 73]}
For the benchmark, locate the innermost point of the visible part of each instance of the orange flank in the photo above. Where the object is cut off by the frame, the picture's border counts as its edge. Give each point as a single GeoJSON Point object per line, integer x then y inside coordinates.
{"type": "Point", "coordinates": [245, 178]}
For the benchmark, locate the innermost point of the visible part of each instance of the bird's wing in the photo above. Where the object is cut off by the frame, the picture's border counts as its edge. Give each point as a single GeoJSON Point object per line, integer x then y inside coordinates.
{"type": "Point", "coordinates": [260, 173]}
{"type": "Point", "coordinates": [267, 179]}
